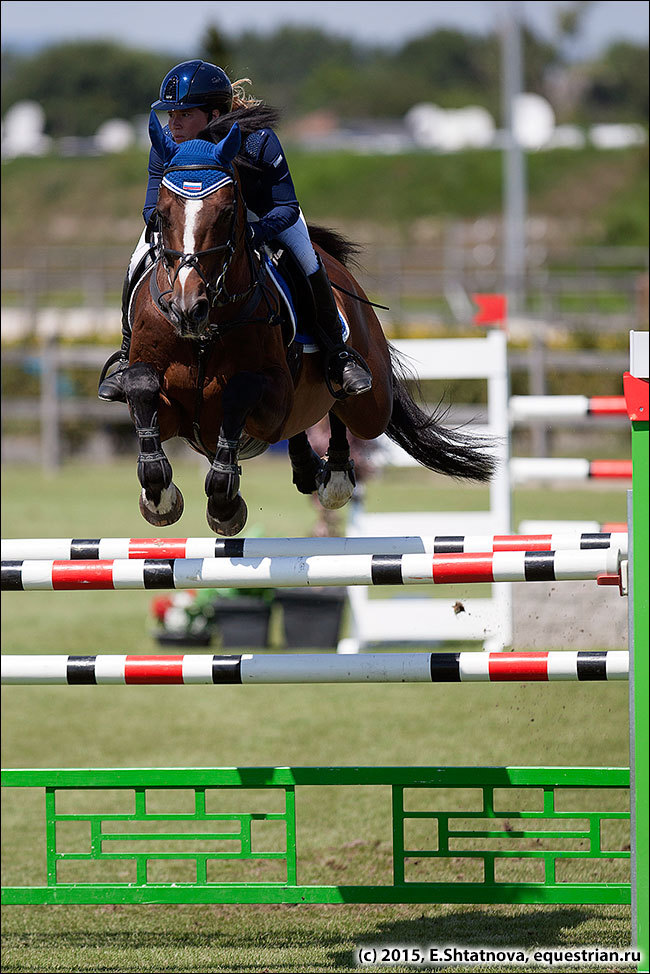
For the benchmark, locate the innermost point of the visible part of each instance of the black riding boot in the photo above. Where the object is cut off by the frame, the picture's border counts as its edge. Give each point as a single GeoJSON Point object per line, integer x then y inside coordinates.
{"type": "Point", "coordinates": [111, 387]}
{"type": "Point", "coordinates": [344, 366]}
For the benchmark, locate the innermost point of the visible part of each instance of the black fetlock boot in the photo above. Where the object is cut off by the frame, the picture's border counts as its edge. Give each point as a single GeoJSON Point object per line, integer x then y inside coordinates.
{"type": "Point", "coordinates": [344, 366]}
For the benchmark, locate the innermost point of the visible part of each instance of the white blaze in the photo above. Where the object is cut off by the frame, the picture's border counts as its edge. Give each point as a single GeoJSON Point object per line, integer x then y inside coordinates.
{"type": "Point", "coordinates": [192, 211]}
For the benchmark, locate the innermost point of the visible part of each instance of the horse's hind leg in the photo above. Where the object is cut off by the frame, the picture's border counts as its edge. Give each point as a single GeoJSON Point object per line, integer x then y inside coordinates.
{"type": "Point", "coordinates": [306, 465]}
{"type": "Point", "coordinates": [161, 502]}
{"type": "Point", "coordinates": [337, 480]}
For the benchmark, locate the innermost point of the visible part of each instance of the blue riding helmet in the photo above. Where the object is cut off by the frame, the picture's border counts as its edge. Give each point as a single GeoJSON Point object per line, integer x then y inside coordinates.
{"type": "Point", "coordinates": [195, 84]}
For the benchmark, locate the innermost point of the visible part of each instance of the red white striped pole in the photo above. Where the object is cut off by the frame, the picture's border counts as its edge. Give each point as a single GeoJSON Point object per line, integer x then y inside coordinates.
{"type": "Point", "coordinates": [325, 570]}
{"type": "Point", "coordinates": [64, 549]}
{"type": "Point", "coordinates": [477, 667]}
{"type": "Point", "coordinates": [525, 469]}
{"type": "Point", "coordinates": [524, 408]}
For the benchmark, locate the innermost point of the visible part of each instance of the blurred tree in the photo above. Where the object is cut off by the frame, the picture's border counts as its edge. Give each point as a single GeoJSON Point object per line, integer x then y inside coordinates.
{"type": "Point", "coordinates": [443, 59]}
{"type": "Point", "coordinates": [11, 61]}
{"type": "Point", "coordinates": [300, 70]}
{"type": "Point", "coordinates": [82, 84]}
{"type": "Point", "coordinates": [280, 63]}
{"type": "Point", "coordinates": [617, 89]}
{"type": "Point", "coordinates": [568, 22]}
{"type": "Point", "coordinates": [215, 48]}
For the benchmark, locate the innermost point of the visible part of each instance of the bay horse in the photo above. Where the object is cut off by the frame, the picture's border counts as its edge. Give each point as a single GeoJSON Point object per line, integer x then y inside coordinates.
{"type": "Point", "coordinates": [209, 360]}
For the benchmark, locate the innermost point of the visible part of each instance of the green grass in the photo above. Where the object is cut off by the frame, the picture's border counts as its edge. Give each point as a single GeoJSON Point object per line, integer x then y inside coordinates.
{"type": "Point", "coordinates": [47, 199]}
{"type": "Point", "coordinates": [573, 724]}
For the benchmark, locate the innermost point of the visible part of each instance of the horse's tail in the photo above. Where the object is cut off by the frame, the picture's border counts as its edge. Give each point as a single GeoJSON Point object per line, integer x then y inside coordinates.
{"type": "Point", "coordinates": [421, 435]}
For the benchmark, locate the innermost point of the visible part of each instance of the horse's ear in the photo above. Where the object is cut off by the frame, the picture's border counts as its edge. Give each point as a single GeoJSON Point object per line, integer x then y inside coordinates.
{"type": "Point", "coordinates": [226, 150]}
{"type": "Point", "coordinates": [160, 140]}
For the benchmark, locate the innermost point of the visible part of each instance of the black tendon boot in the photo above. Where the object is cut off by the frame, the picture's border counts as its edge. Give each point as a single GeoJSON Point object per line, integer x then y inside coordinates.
{"type": "Point", "coordinates": [344, 366]}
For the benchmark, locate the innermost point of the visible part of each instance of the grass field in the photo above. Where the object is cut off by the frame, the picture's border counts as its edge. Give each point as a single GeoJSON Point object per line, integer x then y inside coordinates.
{"type": "Point", "coordinates": [347, 840]}
{"type": "Point", "coordinates": [46, 199]}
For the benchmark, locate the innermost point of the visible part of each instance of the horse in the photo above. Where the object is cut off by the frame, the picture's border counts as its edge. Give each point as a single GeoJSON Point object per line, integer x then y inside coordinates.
{"type": "Point", "coordinates": [211, 360]}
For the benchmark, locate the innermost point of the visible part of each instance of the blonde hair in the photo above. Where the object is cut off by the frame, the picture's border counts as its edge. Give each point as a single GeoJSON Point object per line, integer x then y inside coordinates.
{"type": "Point", "coordinates": [240, 99]}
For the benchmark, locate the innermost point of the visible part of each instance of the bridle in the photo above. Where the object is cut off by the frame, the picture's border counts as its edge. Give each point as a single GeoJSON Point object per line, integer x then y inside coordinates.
{"type": "Point", "coordinates": [216, 291]}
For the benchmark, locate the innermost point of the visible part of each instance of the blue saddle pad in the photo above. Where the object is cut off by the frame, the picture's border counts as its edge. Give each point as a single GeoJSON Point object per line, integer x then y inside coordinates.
{"type": "Point", "coordinates": [301, 333]}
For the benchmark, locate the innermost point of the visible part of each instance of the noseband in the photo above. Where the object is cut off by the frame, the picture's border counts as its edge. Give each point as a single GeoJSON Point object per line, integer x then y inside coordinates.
{"type": "Point", "coordinates": [217, 291]}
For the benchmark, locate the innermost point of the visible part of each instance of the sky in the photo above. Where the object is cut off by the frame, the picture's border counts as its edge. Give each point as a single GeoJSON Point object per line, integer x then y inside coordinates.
{"type": "Point", "coordinates": [176, 28]}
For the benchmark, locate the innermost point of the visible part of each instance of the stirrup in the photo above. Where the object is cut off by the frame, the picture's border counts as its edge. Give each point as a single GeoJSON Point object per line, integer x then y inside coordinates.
{"type": "Point", "coordinates": [338, 360]}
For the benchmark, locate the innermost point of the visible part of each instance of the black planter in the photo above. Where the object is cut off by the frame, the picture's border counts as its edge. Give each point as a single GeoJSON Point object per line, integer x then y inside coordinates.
{"type": "Point", "coordinates": [184, 639]}
{"type": "Point", "coordinates": [242, 622]}
{"type": "Point", "coordinates": [312, 617]}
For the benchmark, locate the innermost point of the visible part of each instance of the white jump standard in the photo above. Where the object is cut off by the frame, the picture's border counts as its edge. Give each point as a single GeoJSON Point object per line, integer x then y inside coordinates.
{"type": "Point", "coordinates": [315, 668]}
{"type": "Point", "coordinates": [321, 570]}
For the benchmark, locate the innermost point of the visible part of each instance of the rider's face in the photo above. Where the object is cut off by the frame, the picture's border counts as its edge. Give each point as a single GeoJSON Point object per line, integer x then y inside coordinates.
{"type": "Point", "coordinates": [186, 123]}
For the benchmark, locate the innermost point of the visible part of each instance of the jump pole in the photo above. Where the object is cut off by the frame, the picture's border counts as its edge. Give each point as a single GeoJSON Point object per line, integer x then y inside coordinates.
{"type": "Point", "coordinates": [74, 549]}
{"type": "Point", "coordinates": [525, 469]}
{"type": "Point", "coordinates": [315, 570]}
{"type": "Point", "coordinates": [192, 669]}
{"type": "Point", "coordinates": [522, 408]}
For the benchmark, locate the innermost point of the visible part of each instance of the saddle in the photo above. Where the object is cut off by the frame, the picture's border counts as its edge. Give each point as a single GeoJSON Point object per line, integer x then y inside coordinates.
{"type": "Point", "coordinates": [299, 288]}
{"type": "Point", "coordinates": [299, 296]}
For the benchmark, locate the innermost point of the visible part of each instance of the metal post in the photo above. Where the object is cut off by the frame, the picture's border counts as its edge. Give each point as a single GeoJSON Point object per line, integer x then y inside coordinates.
{"type": "Point", "coordinates": [50, 419]}
{"type": "Point", "coordinates": [514, 178]}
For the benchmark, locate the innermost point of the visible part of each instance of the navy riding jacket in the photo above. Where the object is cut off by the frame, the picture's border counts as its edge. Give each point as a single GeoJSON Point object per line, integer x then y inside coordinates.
{"type": "Point", "coordinates": [268, 191]}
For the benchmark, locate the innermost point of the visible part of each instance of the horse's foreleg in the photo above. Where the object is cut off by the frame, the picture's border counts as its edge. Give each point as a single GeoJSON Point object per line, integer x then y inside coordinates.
{"type": "Point", "coordinates": [337, 480]}
{"type": "Point", "coordinates": [306, 465]}
{"type": "Point", "coordinates": [226, 513]}
{"type": "Point", "coordinates": [161, 502]}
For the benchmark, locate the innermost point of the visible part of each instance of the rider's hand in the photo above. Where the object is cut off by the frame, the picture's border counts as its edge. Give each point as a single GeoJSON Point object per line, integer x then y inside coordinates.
{"type": "Point", "coordinates": [253, 235]}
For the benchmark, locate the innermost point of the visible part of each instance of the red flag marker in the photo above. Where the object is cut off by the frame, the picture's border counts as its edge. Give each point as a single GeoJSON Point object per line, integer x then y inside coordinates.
{"type": "Point", "coordinates": [493, 309]}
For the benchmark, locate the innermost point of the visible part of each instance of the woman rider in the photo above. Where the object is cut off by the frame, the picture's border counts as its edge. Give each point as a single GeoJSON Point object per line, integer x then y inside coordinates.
{"type": "Point", "coordinates": [196, 95]}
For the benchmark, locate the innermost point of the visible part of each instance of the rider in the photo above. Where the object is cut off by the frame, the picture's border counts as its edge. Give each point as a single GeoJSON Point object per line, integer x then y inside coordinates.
{"type": "Point", "coordinates": [196, 93]}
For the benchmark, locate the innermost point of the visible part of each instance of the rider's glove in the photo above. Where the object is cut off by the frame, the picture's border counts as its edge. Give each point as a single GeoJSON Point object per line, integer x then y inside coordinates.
{"type": "Point", "coordinates": [253, 235]}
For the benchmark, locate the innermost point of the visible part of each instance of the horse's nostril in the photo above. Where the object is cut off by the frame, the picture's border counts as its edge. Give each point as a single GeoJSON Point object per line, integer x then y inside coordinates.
{"type": "Point", "coordinates": [200, 311]}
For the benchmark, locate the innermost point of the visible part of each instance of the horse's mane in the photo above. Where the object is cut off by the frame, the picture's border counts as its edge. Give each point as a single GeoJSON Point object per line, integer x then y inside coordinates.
{"type": "Point", "coordinates": [251, 119]}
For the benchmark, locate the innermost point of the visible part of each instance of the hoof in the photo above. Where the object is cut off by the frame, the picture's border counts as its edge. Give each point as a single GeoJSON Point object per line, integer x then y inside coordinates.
{"type": "Point", "coordinates": [337, 491]}
{"type": "Point", "coordinates": [232, 524]}
{"type": "Point", "coordinates": [172, 505]}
